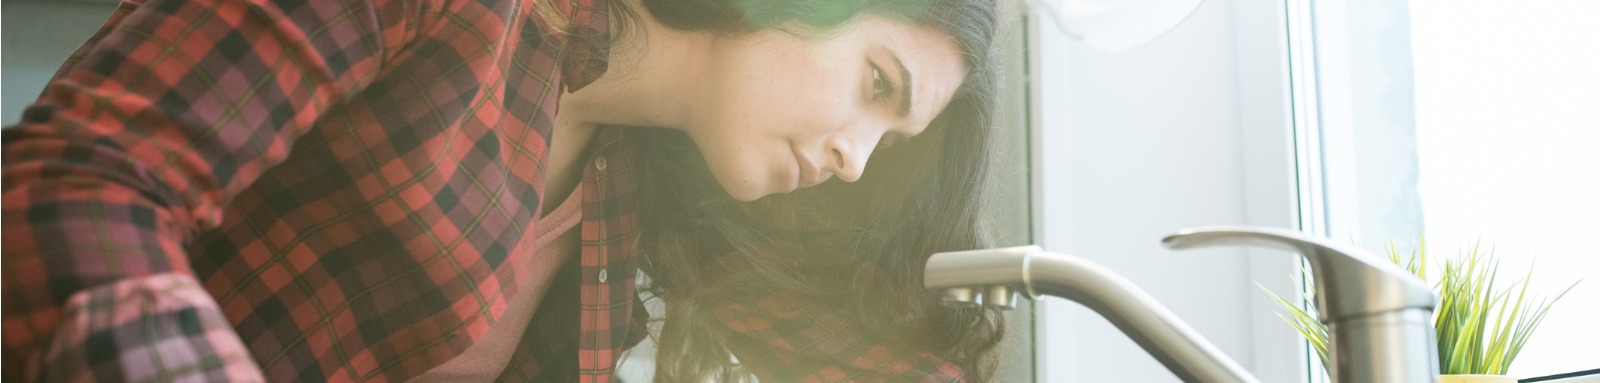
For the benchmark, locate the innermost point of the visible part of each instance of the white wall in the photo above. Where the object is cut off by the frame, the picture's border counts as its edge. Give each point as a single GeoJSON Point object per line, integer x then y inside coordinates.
{"type": "Point", "coordinates": [38, 36]}
{"type": "Point", "coordinates": [1190, 130]}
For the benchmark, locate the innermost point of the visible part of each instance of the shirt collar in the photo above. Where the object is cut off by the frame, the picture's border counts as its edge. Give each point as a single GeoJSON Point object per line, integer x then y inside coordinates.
{"type": "Point", "coordinates": [588, 44]}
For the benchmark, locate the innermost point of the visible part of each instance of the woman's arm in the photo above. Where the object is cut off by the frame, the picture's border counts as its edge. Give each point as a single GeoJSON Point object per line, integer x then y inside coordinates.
{"type": "Point", "coordinates": [137, 144]}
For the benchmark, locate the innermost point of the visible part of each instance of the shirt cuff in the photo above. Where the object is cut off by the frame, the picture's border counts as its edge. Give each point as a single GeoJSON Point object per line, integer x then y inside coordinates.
{"type": "Point", "coordinates": [160, 327]}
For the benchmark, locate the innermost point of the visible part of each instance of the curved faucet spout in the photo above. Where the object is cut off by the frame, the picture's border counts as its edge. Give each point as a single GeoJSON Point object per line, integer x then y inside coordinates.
{"type": "Point", "coordinates": [969, 277]}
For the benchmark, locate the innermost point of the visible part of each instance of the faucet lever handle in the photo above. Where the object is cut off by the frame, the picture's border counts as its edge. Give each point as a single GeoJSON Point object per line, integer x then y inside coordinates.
{"type": "Point", "coordinates": [1350, 282]}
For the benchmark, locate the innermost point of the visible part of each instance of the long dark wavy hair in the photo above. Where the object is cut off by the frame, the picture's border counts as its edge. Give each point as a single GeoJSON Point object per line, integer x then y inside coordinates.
{"type": "Point", "coordinates": [857, 248]}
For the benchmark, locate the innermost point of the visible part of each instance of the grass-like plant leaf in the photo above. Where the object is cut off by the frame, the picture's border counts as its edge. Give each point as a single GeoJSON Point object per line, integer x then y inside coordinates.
{"type": "Point", "coordinates": [1304, 322]}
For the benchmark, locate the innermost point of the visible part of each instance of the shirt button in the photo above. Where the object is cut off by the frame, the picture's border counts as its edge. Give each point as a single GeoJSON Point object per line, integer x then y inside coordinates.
{"type": "Point", "coordinates": [602, 275]}
{"type": "Point", "coordinates": [600, 164]}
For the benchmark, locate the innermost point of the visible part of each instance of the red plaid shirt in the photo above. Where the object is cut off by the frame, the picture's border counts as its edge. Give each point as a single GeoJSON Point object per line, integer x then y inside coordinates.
{"type": "Point", "coordinates": [298, 190]}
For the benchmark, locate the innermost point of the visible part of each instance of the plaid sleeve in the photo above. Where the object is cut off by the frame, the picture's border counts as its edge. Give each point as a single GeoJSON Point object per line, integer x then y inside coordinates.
{"type": "Point", "coordinates": [152, 324]}
{"type": "Point", "coordinates": [139, 142]}
{"type": "Point", "coordinates": [785, 338]}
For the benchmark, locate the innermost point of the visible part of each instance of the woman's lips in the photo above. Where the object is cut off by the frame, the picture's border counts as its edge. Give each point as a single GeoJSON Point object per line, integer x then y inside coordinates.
{"type": "Point", "coordinates": [794, 174]}
{"type": "Point", "coordinates": [805, 174]}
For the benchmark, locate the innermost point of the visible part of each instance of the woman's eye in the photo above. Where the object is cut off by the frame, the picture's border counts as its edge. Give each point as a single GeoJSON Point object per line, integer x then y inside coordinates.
{"type": "Point", "coordinates": [881, 87]}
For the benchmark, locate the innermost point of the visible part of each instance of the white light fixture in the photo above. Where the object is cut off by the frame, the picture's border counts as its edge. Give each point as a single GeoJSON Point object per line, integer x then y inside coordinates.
{"type": "Point", "coordinates": [1116, 25]}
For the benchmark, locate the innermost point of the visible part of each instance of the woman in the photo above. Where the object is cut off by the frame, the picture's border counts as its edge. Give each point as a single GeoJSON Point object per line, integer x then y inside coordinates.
{"type": "Point", "coordinates": [387, 191]}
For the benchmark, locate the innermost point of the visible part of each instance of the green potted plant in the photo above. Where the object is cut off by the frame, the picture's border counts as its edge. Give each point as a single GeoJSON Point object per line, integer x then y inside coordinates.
{"type": "Point", "coordinates": [1481, 322]}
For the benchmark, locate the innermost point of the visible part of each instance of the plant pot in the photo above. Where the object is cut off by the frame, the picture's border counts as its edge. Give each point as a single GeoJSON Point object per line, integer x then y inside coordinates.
{"type": "Point", "coordinates": [1475, 378]}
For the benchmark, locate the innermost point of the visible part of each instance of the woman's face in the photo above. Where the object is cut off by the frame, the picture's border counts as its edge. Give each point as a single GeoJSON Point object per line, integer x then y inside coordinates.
{"type": "Point", "coordinates": [782, 112]}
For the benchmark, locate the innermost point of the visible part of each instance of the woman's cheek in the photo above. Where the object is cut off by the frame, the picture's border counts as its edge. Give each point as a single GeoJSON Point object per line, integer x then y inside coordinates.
{"type": "Point", "coordinates": [745, 181]}
{"type": "Point", "coordinates": [729, 154]}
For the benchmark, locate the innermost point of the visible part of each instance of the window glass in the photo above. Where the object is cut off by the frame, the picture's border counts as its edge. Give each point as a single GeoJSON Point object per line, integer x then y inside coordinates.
{"type": "Point", "coordinates": [1471, 122]}
{"type": "Point", "coordinates": [1508, 116]}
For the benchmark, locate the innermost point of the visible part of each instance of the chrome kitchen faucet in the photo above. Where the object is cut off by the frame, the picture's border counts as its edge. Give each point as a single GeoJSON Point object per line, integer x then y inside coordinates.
{"type": "Point", "coordinates": [1379, 317]}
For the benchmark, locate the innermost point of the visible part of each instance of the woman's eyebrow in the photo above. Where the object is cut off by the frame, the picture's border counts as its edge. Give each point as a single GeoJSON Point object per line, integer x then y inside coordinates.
{"type": "Point", "coordinates": [905, 92]}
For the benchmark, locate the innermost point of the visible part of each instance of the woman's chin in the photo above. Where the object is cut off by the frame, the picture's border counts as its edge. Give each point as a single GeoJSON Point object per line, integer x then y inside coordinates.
{"type": "Point", "coordinates": [746, 194]}
{"type": "Point", "coordinates": [743, 189]}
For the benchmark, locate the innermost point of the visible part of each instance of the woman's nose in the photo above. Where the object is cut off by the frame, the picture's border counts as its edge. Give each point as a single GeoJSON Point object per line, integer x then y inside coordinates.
{"type": "Point", "coordinates": [848, 155]}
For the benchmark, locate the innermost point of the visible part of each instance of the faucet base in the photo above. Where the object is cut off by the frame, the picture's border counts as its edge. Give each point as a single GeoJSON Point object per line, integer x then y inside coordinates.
{"type": "Point", "coordinates": [1374, 348]}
